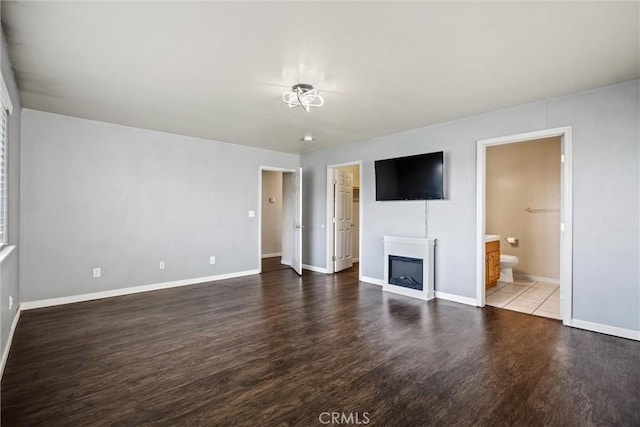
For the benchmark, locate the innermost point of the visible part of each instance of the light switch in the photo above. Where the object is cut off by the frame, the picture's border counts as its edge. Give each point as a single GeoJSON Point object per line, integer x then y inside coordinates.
{"type": "Point", "coordinates": [252, 214]}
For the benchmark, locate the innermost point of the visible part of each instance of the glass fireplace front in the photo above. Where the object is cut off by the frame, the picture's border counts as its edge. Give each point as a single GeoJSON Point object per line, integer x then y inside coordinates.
{"type": "Point", "coordinates": [406, 272]}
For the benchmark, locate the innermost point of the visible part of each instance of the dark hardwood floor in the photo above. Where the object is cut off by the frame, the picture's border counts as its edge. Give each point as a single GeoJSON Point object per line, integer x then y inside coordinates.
{"type": "Point", "coordinates": [352, 272]}
{"type": "Point", "coordinates": [276, 349]}
{"type": "Point", "coordinates": [273, 264]}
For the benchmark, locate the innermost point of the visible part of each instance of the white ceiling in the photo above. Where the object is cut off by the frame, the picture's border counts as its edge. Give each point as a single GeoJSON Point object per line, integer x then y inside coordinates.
{"type": "Point", "coordinates": [218, 70]}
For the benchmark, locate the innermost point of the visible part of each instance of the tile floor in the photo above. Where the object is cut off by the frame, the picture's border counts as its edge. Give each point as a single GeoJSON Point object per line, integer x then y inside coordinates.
{"type": "Point", "coordinates": [540, 298]}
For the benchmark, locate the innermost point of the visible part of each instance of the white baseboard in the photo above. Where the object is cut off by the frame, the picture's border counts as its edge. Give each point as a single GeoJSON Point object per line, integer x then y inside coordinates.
{"type": "Point", "coordinates": [273, 255]}
{"type": "Point", "coordinates": [408, 292]}
{"type": "Point", "coordinates": [285, 262]}
{"type": "Point", "coordinates": [372, 280]}
{"type": "Point", "coordinates": [606, 329]}
{"type": "Point", "coordinates": [536, 278]}
{"type": "Point", "coordinates": [29, 305]}
{"type": "Point", "coordinates": [456, 298]}
{"type": "Point", "coordinates": [5, 353]}
{"type": "Point", "coordinates": [314, 268]}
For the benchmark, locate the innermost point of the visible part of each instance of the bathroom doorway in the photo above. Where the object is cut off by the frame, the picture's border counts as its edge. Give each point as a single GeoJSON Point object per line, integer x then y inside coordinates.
{"type": "Point", "coordinates": [272, 223]}
{"type": "Point", "coordinates": [280, 227]}
{"type": "Point", "coordinates": [524, 217]}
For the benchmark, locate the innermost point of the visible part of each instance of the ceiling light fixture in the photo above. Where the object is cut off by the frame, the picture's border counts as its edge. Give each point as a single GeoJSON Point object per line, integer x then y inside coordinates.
{"type": "Point", "coordinates": [307, 138]}
{"type": "Point", "coordinates": [303, 95]}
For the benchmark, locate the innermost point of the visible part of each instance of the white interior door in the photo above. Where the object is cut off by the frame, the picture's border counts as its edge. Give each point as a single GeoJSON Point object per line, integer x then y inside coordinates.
{"type": "Point", "coordinates": [296, 258]}
{"type": "Point", "coordinates": [343, 220]}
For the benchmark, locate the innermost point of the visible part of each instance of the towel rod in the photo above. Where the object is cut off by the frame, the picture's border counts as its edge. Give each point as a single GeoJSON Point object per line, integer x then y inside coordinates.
{"type": "Point", "coordinates": [531, 210]}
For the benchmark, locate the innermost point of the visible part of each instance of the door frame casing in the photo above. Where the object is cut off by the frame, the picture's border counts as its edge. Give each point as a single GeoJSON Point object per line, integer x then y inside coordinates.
{"type": "Point", "coordinates": [330, 210]}
{"type": "Point", "coordinates": [260, 170]}
{"type": "Point", "coordinates": [566, 212]}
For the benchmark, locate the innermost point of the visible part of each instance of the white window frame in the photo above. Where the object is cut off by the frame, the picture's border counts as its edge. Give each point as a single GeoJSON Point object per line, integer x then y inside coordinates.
{"type": "Point", "coordinates": [7, 109]}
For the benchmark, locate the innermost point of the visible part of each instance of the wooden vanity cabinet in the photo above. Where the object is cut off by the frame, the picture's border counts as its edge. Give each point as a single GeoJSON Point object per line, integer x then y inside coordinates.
{"type": "Point", "coordinates": [492, 264]}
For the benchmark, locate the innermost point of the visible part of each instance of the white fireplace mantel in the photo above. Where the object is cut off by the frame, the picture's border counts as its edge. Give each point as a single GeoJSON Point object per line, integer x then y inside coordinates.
{"type": "Point", "coordinates": [411, 247]}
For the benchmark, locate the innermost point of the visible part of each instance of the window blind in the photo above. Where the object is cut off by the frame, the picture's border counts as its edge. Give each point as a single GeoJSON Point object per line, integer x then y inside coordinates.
{"type": "Point", "coordinates": [3, 180]}
{"type": "Point", "coordinates": [7, 108]}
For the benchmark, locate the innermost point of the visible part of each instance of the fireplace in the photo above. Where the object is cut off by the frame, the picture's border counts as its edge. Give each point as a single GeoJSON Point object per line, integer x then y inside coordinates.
{"type": "Point", "coordinates": [405, 271]}
{"type": "Point", "coordinates": [408, 266]}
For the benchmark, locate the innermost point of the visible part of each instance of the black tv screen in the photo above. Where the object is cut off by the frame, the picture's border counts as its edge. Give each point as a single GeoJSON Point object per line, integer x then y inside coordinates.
{"type": "Point", "coordinates": [410, 178]}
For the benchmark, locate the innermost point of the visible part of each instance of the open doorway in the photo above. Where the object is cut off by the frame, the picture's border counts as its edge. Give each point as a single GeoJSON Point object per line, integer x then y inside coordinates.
{"type": "Point", "coordinates": [280, 222]}
{"type": "Point", "coordinates": [272, 220]}
{"type": "Point", "coordinates": [524, 223]}
{"type": "Point", "coordinates": [344, 218]}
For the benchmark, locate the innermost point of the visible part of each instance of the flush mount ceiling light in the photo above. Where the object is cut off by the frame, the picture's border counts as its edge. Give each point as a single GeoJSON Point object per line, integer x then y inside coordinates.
{"type": "Point", "coordinates": [307, 138]}
{"type": "Point", "coordinates": [303, 95]}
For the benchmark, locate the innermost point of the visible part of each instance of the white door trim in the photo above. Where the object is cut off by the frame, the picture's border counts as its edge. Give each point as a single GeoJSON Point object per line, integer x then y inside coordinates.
{"type": "Point", "coordinates": [330, 208]}
{"type": "Point", "coordinates": [566, 212]}
{"type": "Point", "coordinates": [260, 170]}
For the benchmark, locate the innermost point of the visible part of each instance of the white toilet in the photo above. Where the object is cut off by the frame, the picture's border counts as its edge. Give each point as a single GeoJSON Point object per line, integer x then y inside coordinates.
{"type": "Point", "coordinates": [507, 262]}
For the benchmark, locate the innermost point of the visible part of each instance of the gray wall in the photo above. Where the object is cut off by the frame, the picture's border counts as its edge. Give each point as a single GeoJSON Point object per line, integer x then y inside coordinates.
{"type": "Point", "coordinates": [9, 275]}
{"type": "Point", "coordinates": [606, 197]}
{"type": "Point", "coordinates": [96, 194]}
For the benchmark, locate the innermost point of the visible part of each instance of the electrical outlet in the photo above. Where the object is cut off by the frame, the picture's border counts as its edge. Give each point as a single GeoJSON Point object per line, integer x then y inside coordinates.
{"type": "Point", "coordinates": [10, 302]}
{"type": "Point", "coordinates": [97, 272]}
{"type": "Point", "coordinates": [161, 265]}
{"type": "Point", "coordinates": [212, 260]}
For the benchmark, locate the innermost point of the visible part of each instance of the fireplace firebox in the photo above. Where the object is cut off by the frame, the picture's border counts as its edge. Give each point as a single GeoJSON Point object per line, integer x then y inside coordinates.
{"type": "Point", "coordinates": [405, 272]}
{"type": "Point", "coordinates": [408, 266]}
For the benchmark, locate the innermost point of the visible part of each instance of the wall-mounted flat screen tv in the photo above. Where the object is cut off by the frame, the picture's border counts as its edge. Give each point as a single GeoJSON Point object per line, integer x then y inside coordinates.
{"type": "Point", "coordinates": [410, 178]}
